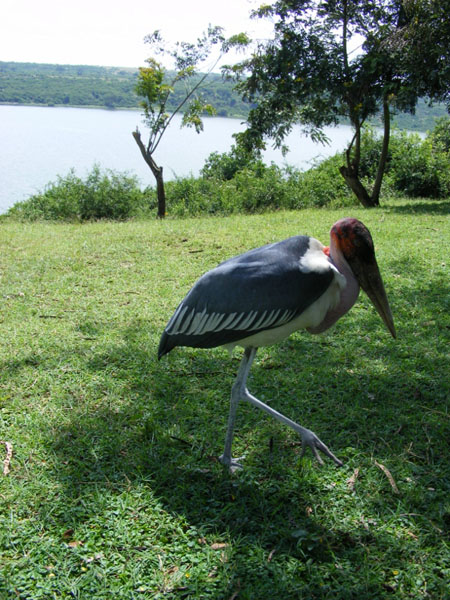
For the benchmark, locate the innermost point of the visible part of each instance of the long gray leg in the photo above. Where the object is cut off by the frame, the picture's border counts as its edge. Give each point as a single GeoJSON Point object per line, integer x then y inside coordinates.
{"type": "Point", "coordinates": [309, 438]}
{"type": "Point", "coordinates": [238, 391]}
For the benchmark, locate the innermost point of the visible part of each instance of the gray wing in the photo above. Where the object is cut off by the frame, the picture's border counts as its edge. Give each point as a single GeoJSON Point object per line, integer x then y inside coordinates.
{"type": "Point", "coordinates": [259, 290]}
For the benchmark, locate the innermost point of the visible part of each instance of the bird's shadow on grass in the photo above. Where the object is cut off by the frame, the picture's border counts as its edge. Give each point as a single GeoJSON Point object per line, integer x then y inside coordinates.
{"type": "Point", "coordinates": [167, 431]}
{"type": "Point", "coordinates": [155, 429]}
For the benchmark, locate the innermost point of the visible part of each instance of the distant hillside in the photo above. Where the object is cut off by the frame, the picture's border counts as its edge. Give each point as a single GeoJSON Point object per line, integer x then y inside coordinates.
{"type": "Point", "coordinates": [113, 87]}
{"type": "Point", "coordinates": [106, 87]}
{"type": "Point", "coordinates": [53, 85]}
{"type": "Point", "coordinates": [423, 119]}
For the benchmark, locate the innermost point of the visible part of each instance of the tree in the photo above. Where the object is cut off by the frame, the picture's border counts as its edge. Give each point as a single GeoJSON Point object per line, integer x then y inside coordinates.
{"type": "Point", "coordinates": [421, 47]}
{"type": "Point", "coordinates": [330, 60]}
{"type": "Point", "coordinates": [156, 85]}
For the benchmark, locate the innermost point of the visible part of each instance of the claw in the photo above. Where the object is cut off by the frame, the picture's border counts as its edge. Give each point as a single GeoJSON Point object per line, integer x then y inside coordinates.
{"type": "Point", "coordinates": [232, 463]}
{"type": "Point", "coordinates": [310, 439]}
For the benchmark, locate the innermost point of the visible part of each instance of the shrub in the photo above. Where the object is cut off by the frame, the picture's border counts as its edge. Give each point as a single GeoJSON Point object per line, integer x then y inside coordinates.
{"type": "Point", "coordinates": [414, 166]}
{"type": "Point", "coordinates": [440, 136]}
{"type": "Point", "coordinates": [110, 195]}
{"type": "Point", "coordinates": [58, 201]}
{"type": "Point", "coordinates": [258, 189]}
{"type": "Point", "coordinates": [102, 195]}
{"type": "Point", "coordinates": [258, 193]}
{"type": "Point", "coordinates": [225, 166]}
{"type": "Point", "coordinates": [323, 185]}
{"type": "Point", "coordinates": [440, 142]}
{"type": "Point", "coordinates": [238, 181]}
{"type": "Point", "coordinates": [192, 196]}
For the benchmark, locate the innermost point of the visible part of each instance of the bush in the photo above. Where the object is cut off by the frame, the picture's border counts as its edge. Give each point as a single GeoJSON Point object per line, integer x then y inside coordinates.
{"type": "Point", "coordinates": [256, 188]}
{"type": "Point", "coordinates": [110, 196]}
{"type": "Point", "coordinates": [225, 166]}
{"type": "Point", "coordinates": [102, 195]}
{"type": "Point", "coordinates": [415, 166]}
{"type": "Point", "coordinates": [189, 196]}
{"type": "Point", "coordinates": [244, 193]}
{"type": "Point", "coordinates": [440, 136]}
{"type": "Point", "coordinates": [323, 185]}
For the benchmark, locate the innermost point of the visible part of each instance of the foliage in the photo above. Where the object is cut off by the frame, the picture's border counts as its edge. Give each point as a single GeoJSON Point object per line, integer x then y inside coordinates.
{"type": "Point", "coordinates": [440, 136]}
{"type": "Point", "coordinates": [155, 90]}
{"type": "Point", "coordinates": [101, 195]}
{"type": "Point", "coordinates": [238, 181]}
{"type": "Point", "coordinates": [67, 85]}
{"type": "Point", "coordinates": [421, 47]}
{"type": "Point", "coordinates": [423, 119]}
{"type": "Point", "coordinates": [415, 166]}
{"type": "Point", "coordinates": [227, 187]}
{"type": "Point", "coordinates": [155, 85]}
{"type": "Point", "coordinates": [114, 488]}
{"type": "Point", "coordinates": [322, 186]}
{"type": "Point", "coordinates": [308, 74]}
{"type": "Point", "coordinates": [113, 87]}
{"type": "Point", "coordinates": [110, 195]}
{"type": "Point", "coordinates": [225, 166]}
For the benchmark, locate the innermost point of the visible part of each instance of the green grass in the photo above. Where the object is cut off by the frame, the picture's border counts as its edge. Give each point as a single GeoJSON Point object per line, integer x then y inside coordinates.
{"type": "Point", "coordinates": [115, 490]}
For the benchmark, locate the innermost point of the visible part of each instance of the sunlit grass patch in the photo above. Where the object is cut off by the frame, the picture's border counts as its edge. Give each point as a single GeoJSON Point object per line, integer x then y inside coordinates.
{"type": "Point", "coordinates": [115, 488]}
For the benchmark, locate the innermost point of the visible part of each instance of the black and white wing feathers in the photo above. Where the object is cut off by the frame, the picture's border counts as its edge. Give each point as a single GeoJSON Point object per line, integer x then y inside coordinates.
{"type": "Point", "coordinates": [262, 289]}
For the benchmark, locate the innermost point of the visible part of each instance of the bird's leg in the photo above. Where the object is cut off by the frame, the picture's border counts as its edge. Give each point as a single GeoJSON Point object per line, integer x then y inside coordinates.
{"type": "Point", "coordinates": [309, 438]}
{"type": "Point", "coordinates": [238, 391]}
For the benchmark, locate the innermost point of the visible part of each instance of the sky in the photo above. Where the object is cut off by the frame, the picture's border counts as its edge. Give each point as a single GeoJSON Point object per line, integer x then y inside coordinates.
{"type": "Point", "coordinates": [111, 32]}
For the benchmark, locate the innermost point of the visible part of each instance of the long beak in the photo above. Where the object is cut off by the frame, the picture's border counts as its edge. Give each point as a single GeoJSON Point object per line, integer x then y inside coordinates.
{"type": "Point", "coordinates": [370, 280]}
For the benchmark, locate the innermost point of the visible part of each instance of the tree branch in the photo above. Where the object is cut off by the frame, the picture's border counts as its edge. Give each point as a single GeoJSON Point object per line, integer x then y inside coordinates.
{"type": "Point", "coordinates": [146, 154]}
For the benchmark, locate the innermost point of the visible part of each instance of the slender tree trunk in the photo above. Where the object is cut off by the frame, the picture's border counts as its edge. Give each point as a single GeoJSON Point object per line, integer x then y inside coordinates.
{"type": "Point", "coordinates": [384, 153]}
{"type": "Point", "coordinates": [351, 172]}
{"type": "Point", "coordinates": [350, 175]}
{"type": "Point", "coordinates": [161, 194]}
{"type": "Point", "coordinates": [157, 172]}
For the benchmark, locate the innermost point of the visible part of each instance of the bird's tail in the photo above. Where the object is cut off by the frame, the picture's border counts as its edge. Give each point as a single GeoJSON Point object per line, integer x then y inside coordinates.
{"type": "Point", "coordinates": [164, 345]}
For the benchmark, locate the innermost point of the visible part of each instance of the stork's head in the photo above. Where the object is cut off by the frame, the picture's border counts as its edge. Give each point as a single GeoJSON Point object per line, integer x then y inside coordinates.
{"type": "Point", "coordinates": [353, 240]}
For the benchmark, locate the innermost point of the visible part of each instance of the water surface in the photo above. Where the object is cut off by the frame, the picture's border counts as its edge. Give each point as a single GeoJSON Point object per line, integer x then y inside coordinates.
{"type": "Point", "coordinates": [39, 143]}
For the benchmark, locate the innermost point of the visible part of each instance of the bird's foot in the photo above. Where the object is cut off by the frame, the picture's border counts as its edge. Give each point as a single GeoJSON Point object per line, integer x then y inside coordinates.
{"type": "Point", "coordinates": [309, 438]}
{"type": "Point", "coordinates": [233, 464]}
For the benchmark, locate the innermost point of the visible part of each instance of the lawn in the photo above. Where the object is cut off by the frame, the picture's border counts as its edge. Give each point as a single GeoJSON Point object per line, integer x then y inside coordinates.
{"type": "Point", "coordinates": [114, 488]}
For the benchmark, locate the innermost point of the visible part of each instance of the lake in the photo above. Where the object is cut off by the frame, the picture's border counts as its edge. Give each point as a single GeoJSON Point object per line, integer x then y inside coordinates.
{"type": "Point", "coordinates": [39, 143]}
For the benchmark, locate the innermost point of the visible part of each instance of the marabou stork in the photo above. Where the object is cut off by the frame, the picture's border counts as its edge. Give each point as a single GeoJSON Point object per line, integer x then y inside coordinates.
{"type": "Point", "coordinates": [259, 298]}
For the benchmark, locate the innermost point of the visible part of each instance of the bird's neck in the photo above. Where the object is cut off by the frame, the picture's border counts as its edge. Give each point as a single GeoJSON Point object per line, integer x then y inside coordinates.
{"type": "Point", "coordinates": [349, 292]}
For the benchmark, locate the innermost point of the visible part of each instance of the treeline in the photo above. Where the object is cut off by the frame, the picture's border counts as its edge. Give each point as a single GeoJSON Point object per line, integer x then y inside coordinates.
{"type": "Point", "coordinates": [105, 87]}
{"type": "Point", "coordinates": [113, 87]}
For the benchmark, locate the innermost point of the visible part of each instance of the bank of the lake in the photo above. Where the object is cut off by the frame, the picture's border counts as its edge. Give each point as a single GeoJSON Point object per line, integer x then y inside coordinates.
{"type": "Point", "coordinates": [39, 143]}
